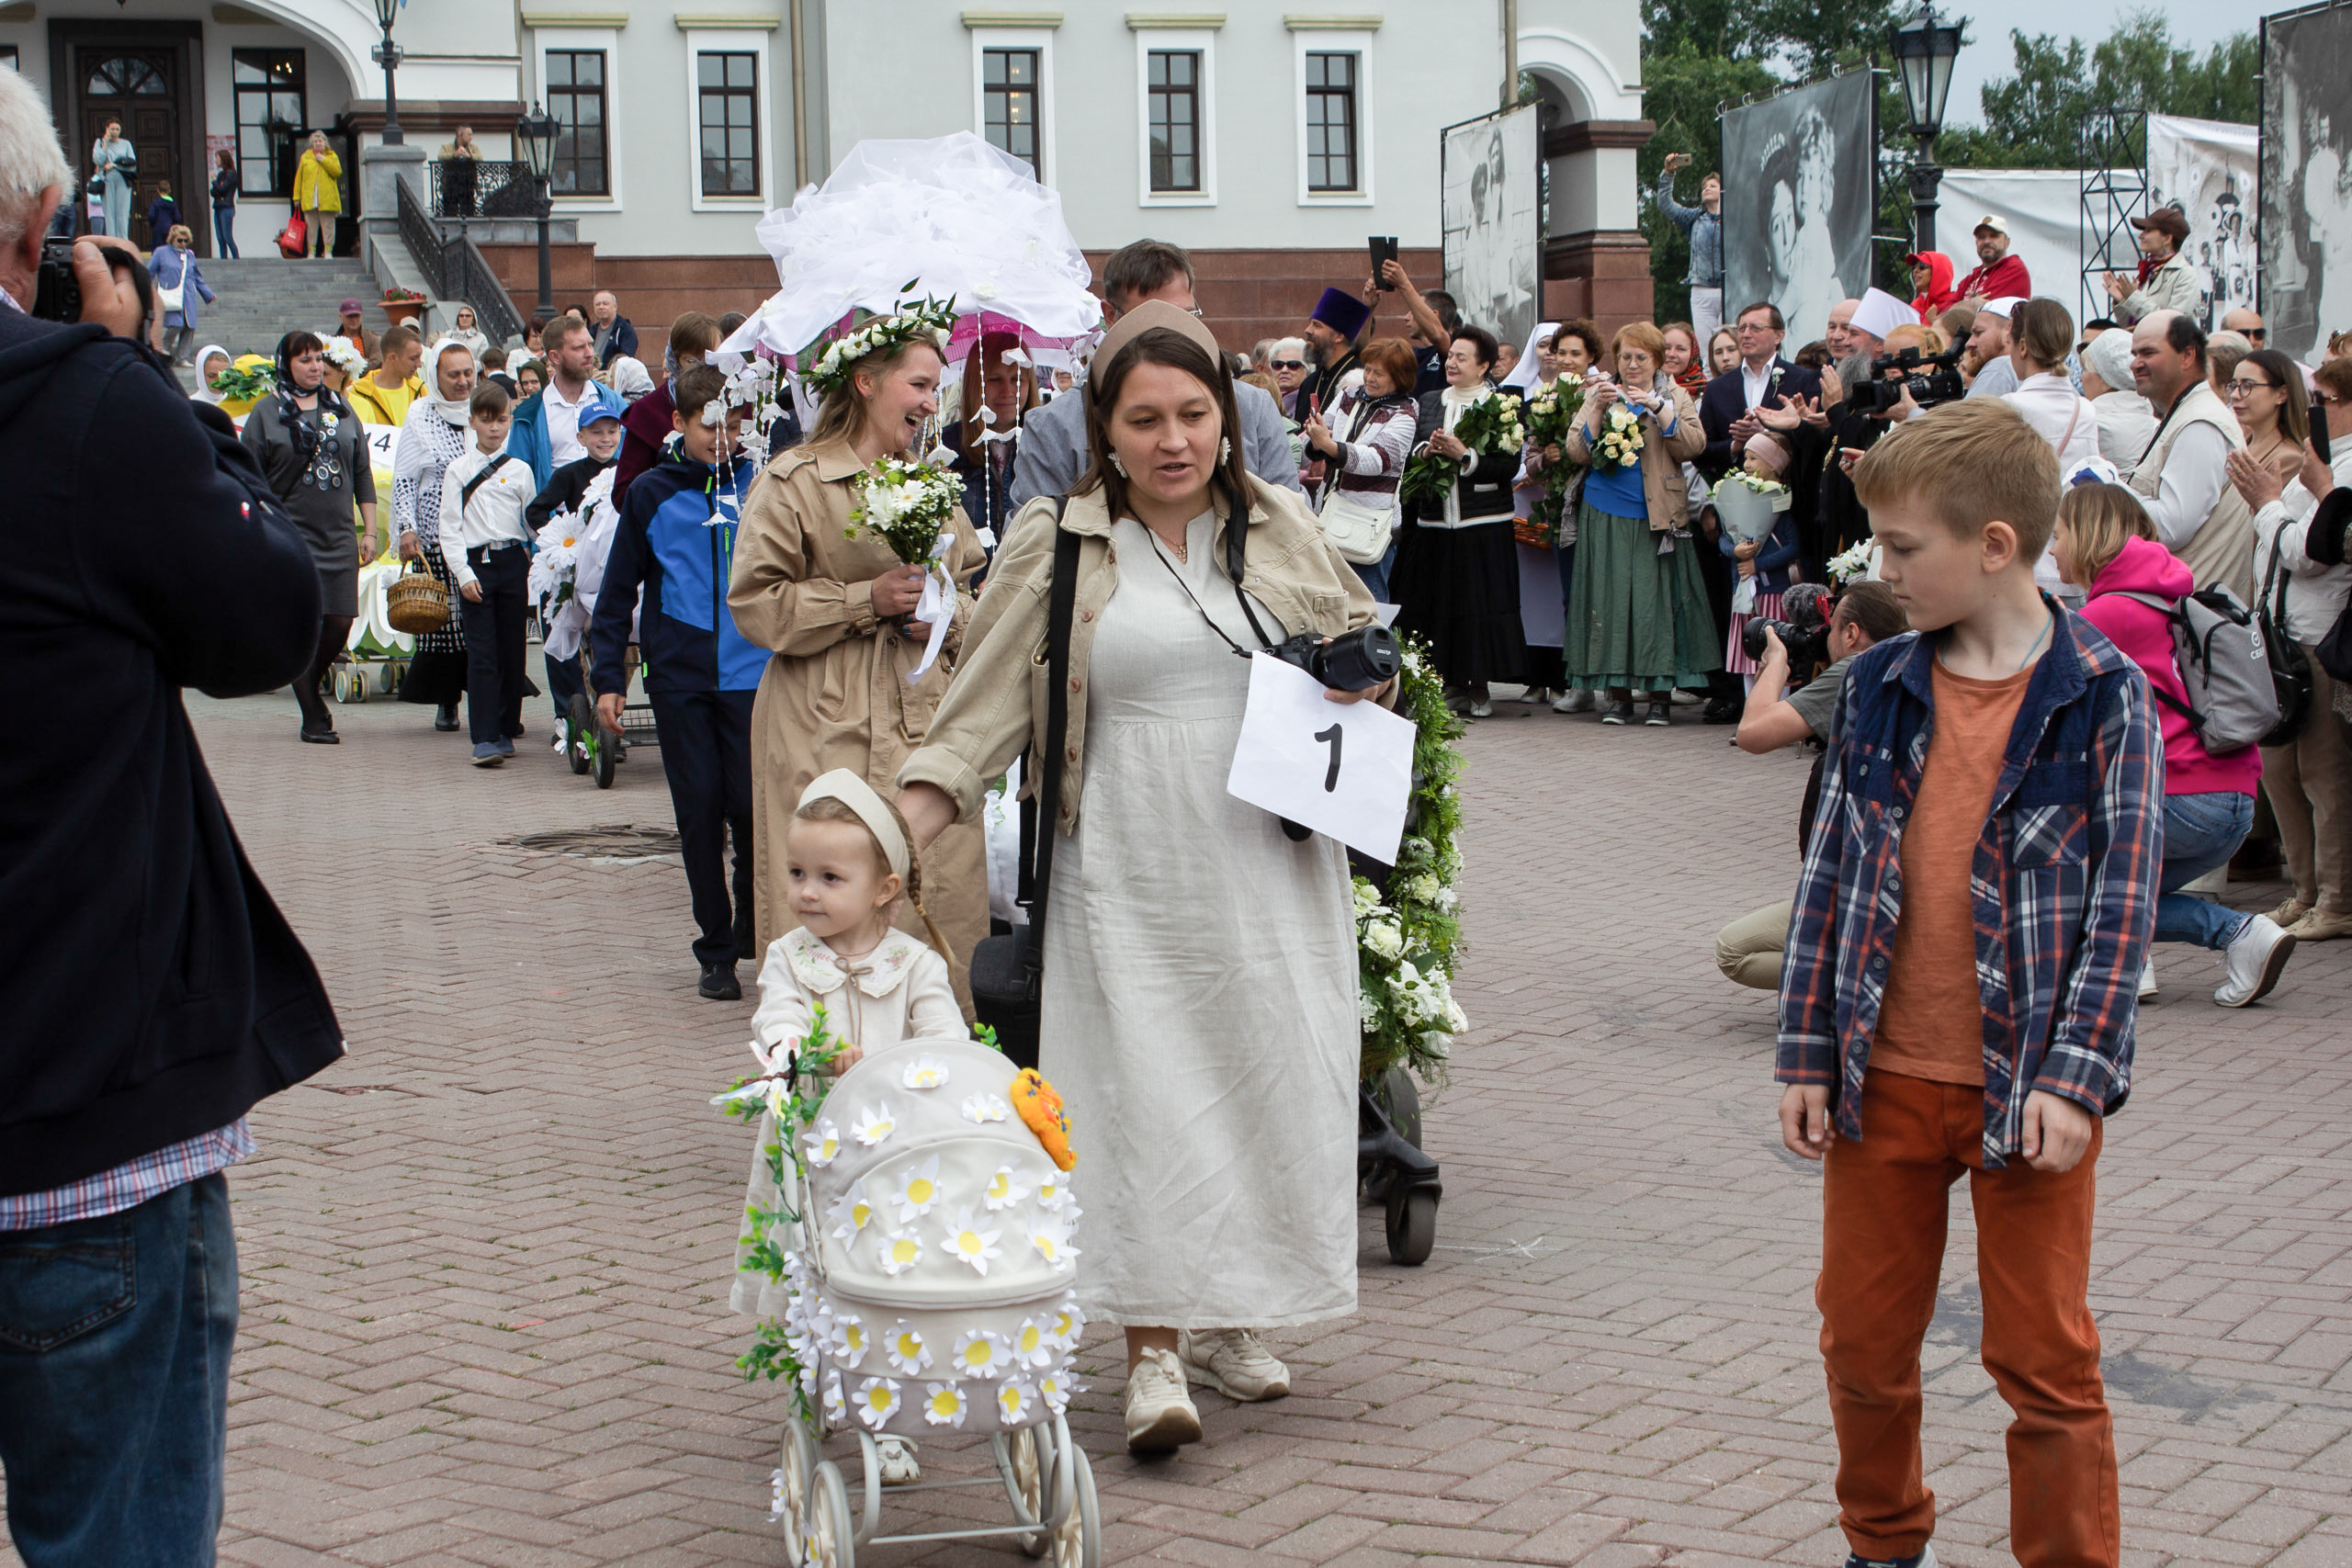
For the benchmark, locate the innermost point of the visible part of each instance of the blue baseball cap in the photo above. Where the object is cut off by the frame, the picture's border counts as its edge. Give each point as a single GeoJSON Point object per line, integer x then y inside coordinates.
{"type": "Point", "coordinates": [598, 415]}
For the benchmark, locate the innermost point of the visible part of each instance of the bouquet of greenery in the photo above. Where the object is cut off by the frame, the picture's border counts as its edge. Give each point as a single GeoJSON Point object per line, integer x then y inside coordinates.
{"type": "Point", "coordinates": [1408, 940]}
{"type": "Point", "coordinates": [1550, 413]}
{"type": "Point", "coordinates": [250, 384]}
{"type": "Point", "coordinates": [1620, 445]}
{"type": "Point", "coordinates": [1490, 424]}
{"type": "Point", "coordinates": [905, 504]}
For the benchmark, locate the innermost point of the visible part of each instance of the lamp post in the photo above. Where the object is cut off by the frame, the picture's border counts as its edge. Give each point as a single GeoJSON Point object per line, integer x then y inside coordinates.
{"type": "Point", "coordinates": [388, 55]}
{"type": "Point", "coordinates": [1924, 48]}
{"type": "Point", "coordinates": [535, 134]}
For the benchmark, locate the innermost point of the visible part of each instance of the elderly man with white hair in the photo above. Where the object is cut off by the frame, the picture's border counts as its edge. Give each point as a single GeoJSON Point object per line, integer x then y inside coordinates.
{"type": "Point", "coordinates": [2126, 422]}
{"type": "Point", "coordinates": [153, 993]}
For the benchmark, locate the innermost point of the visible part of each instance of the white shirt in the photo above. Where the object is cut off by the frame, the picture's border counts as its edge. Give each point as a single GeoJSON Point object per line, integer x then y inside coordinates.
{"type": "Point", "coordinates": [2065, 419]}
{"type": "Point", "coordinates": [2314, 595]}
{"type": "Point", "coordinates": [1754, 384]}
{"type": "Point", "coordinates": [2126, 425]}
{"type": "Point", "coordinates": [563, 421]}
{"type": "Point", "coordinates": [494, 515]}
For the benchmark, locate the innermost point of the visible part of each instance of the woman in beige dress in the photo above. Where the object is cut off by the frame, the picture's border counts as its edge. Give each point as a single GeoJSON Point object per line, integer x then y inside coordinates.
{"type": "Point", "coordinates": [834, 610]}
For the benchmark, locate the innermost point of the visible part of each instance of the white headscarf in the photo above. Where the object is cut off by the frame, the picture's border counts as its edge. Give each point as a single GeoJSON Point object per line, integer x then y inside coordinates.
{"type": "Point", "coordinates": [456, 410]}
{"type": "Point", "coordinates": [204, 392]}
{"type": "Point", "coordinates": [629, 377]}
{"type": "Point", "coordinates": [1522, 375]}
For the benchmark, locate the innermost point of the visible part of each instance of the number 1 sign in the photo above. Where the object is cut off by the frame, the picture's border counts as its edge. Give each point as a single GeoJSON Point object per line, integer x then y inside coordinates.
{"type": "Point", "coordinates": [1343, 769]}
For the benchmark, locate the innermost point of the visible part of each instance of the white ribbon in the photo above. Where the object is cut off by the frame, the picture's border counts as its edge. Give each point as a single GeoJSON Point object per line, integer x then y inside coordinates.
{"type": "Point", "coordinates": [937, 606]}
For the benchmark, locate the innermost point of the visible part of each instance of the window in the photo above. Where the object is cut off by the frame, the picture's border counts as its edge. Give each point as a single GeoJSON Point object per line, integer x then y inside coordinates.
{"type": "Point", "coordinates": [1172, 84]}
{"type": "Point", "coordinates": [1009, 79]}
{"type": "Point", "coordinates": [575, 101]}
{"type": "Point", "coordinates": [8, 56]}
{"type": "Point", "coordinates": [728, 95]}
{"type": "Point", "coordinates": [1331, 122]}
{"type": "Point", "coordinates": [271, 105]}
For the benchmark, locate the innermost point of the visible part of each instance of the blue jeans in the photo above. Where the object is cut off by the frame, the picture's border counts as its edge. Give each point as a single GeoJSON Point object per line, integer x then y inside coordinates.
{"type": "Point", "coordinates": [2202, 832]}
{"type": "Point", "coordinates": [1375, 576]}
{"type": "Point", "coordinates": [115, 1336]}
{"type": "Point", "coordinates": [224, 231]}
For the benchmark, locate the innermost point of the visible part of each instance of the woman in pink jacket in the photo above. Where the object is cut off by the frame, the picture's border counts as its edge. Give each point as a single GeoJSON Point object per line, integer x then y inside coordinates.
{"type": "Point", "coordinates": [2106, 544]}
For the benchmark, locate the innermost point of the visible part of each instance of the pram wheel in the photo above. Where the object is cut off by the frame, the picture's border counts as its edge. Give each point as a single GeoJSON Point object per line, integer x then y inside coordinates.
{"type": "Point", "coordinates": [1079, 1543]}
{"type": "Point", "coordinates": [578, 722]}
{"type": "Point", "coordinates": [1028, 1469]}
{"type": "Point", "coordinates": [607, 745]}
{"type": "Point", "coordinates": [1412, 1223]}
{"type": "Point", "coordinates": [829, 1540]}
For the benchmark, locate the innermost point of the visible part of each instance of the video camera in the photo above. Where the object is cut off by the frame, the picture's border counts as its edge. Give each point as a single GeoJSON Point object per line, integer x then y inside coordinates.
{"type": "Point", "coordinates": [1806, 633]}
{"type": "Point", "coordinates": [1930, 378]}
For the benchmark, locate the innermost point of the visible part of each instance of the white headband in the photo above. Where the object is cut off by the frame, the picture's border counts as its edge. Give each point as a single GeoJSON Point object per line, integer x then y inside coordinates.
{"type": "Point", "coordinates": [858, 796]}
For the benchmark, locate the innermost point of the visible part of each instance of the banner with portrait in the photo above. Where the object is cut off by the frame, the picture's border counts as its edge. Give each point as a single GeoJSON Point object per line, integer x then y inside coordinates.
{"type": "Point", "coordinates": [1492, 221]}
{"type": "Point", "coordinates": [1800, 193]}
{"type": "Point", "coordinates": [2207, 168]}
{"type": "Point", "coordinates": [2304, 269]}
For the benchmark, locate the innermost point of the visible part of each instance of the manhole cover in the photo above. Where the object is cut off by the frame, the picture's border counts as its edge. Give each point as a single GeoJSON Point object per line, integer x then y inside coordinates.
{"type": "Point", "coordinates": [621, 843]}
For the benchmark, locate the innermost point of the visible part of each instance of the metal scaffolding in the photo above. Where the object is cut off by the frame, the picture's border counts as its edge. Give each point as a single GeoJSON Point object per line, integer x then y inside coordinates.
{"type": "Point", "coordinates": [2115, 191]}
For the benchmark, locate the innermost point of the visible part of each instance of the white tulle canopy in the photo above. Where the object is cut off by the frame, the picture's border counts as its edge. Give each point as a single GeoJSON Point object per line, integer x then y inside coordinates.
{"type": "Point", "coordinates": [952, 217]}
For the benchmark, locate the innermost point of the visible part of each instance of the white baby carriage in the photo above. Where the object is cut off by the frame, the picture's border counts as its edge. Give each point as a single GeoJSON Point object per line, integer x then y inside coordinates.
{"type": "Point", "coordinates": [927, 1243]}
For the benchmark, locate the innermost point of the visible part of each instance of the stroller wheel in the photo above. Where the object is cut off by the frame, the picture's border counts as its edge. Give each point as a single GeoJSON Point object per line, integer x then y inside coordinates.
{"type": "Point", "coordinates": [1079, 1543]}
{"type": "Point", "coordinates": [604, 749]}
{"type": "Point", "coordinates": [794, 1468]}
{"type": "Point", "coordinates": [1412, 1224]}
{"type": "Point", "coordinates": [579, 727]}
{"type": "Point", "coordinates": [830, 1539]}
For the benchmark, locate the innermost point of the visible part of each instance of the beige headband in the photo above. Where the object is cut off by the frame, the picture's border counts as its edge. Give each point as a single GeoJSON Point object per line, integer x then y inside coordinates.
{"type": "Point", "coordinates": [859, 796]}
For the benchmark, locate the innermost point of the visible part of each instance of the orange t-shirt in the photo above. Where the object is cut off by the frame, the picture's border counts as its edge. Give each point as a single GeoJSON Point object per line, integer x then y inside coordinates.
{"type": "Point", "coordinates": [1931, 1021]}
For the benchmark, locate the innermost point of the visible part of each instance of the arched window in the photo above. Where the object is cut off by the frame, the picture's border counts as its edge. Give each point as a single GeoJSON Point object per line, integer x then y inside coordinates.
{"type": "Point", "coordinates": [126, 76]}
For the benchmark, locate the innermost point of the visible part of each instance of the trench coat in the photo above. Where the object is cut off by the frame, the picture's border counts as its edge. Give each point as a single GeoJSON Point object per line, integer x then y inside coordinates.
{"type": "Point", "coordinates": [835, 694]}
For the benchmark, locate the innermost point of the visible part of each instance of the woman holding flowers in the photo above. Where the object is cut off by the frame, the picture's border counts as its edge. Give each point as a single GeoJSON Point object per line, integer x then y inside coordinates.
{"type": "Point", "coordinates": [1457, 571]}
{"type": "Point", "coordinates": [1200, 1007]}
{"type": "Point", "coordinates": [834, 601]}
{"type": "Point", "coordinates": [1638, 618]}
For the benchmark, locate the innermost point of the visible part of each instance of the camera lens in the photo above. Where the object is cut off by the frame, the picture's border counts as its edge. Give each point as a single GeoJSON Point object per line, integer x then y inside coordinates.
{"type": "Point", "coordinates": [1358, 660]}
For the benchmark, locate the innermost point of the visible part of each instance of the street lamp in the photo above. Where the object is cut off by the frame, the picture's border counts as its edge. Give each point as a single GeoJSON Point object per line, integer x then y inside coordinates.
{"type": "Point", "coordinates": [388, 55]}
{"type": "Point", "coordinates": [1924, 48]}
{"type": "Point", "coordinates": [535, 134]}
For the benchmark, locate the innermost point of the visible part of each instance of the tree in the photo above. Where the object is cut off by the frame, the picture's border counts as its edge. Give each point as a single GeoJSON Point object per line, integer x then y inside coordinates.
{"type": "Point", "coordinates": [1681, 93]}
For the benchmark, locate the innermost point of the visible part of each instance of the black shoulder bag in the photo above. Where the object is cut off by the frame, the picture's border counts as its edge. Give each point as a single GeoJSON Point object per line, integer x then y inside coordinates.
{"type": "Point", "coordinates": [1006, 970]}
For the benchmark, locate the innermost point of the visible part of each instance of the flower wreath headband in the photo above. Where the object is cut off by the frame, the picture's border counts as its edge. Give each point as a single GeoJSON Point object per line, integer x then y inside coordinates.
{"type": "Point", "coordinates": [927, 321]}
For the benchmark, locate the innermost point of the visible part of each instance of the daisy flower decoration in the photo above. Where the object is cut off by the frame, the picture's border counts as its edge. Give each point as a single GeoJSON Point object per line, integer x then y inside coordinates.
{"type": "Point", "coordinates": [848, 1340]}
{"type": "Point", "coordinates": [1054, 1389]}
{"type": "Point", "coordinates": [916, 1191]}
{"type": "Point", "coordinates": [984, 1109]}
{"type": "Point", "coordinates": [924, 1072]}
{"type": "Point", "coordinates": [877, 1401]}
{"type": "Point", "coordinates": [1031, 1344]}
{"type": "Point", "coordinates": [853, 1211]}
{"type": "Point", "coordinates": [980, 1354]}
{"type": "Point", "coordinates": [901, 1250]}
{"type": "Point", "coordinates": [943, 1404]}
{"type": "Point", "coordinates": [1016, 1403]}
{"type": "Point", "coordinates": [1051, 1238]}
{"type": "Point", "coordinates": [836, 1402]}
{"type": "Point", "coordinates": [1052, 1189]}
{"type": "Point", "coordinates": [873, 1124]}
{"type": "Point", "coordinates": [905, 1349]}
{"type": "Point", "coordinates": [823, 1143]}
{"type": "Point", "coordinates": [1062, 1328]}
{"type": "Point", "coordinates": [969, 1243]}
{"type": "Point", "coordinates": [1005, 1188]}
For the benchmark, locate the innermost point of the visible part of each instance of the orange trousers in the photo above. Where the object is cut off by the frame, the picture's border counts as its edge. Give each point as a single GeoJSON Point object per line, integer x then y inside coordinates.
{"type": "Point", "coordinates": [1885, 1200]}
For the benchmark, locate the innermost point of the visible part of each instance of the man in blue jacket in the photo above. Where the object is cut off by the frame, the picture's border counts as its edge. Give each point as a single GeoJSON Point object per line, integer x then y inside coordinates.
{"type": "Point", "coordinates": [546, 423]}
{"type": "Point", "coordinates": [677, 540]}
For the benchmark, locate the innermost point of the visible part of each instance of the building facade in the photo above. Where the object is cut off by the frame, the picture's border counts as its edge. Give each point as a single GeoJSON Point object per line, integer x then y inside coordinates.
{"type": "Point", "coordinates": [1269, 142]}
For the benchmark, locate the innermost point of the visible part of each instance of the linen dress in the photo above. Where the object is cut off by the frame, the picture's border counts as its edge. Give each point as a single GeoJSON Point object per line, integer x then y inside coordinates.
{"type": "Point", "coordinates": [1199, 1009]}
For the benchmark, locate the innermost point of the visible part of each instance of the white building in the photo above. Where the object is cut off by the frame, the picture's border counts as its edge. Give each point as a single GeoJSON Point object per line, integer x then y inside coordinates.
{"type": "Point", "coordinates": [1268, 140]}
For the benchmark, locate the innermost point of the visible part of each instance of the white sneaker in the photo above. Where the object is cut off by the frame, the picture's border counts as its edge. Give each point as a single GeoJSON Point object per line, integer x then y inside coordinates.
{"type": "Point", "coordinates": [1160, 1416]}
{"type": "Point", "coordinates": [2255, 959]}
{"type": "Point", "coordinates": [1234, 1362]}
{"type": "Point", "coordinates": [555, 742]}
{"type": "Point", "coordinates": [2147, 978]}
{"type": "Point", "coordinates": [1574, 702]}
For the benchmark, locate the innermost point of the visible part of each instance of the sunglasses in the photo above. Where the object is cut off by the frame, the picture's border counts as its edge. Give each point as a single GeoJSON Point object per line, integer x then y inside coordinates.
{"type": "Point", "coordinates": [1290, 364]}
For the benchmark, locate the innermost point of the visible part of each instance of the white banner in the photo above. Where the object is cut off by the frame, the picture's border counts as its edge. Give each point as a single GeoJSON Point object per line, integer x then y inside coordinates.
{"type": "Point", "coordinates": [2205, 167]}
{"type": "Point", "coordinates": [2044, 209]}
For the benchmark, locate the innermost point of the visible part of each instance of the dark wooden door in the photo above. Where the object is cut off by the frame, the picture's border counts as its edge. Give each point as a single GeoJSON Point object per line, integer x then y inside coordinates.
{"type": "Point", "coordinates": [140, 88]}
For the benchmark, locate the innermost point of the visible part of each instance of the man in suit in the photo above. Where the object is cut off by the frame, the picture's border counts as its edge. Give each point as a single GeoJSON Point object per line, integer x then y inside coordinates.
{"type": "Point", "coordinates": [1761, 379]}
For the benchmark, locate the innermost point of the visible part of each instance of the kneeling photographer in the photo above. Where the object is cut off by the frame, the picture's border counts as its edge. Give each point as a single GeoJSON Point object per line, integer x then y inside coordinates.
{"type": "Point", "coordinates": [1749, 949]}
{"type": "Point", "coordinates": [153, 992]}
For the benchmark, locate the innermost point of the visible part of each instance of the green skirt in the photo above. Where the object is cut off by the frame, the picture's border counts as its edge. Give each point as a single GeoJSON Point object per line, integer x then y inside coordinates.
{"type": "Point", "coordinates": [1637, 620]}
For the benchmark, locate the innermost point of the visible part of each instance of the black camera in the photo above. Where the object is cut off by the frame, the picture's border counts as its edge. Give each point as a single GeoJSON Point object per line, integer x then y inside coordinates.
{"type": "Point", "coordinates": [1352, 661]}
{"type": "Point", "coordinates": [57, 293]}
{"type": "Point", "coordinates": [1806, 633]}
{"type": "Point", "coordinates": [1930, 378]}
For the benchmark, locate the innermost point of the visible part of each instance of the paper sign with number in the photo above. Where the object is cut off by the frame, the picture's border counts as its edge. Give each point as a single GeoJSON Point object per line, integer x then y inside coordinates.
{"type": "Point", "coordinates": [1343, 769]}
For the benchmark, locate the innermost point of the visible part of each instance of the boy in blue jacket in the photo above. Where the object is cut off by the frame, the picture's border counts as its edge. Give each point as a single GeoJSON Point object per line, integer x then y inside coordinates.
{"type": "Point", "coordinates": [677, 540]}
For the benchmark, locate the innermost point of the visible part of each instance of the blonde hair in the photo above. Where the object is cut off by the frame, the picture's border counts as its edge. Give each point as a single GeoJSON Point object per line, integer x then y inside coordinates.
{"type": "Point", "coordinates": [825, 808]}
{"type": "Point", "coordinates": [1968, 463]}
{"type": "Point", "coordinates": [1916, 335]}
{"type": "Point", "coordinates": [2101, 518]}
{"type": "Point", "coordinates": [179, 231]}
{"type": "Point", "coordinates": [841, 416]}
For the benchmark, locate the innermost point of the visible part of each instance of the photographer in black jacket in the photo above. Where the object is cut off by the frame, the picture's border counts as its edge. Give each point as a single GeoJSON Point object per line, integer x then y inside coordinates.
{"type": "Point", "coordinates": [153, 992]}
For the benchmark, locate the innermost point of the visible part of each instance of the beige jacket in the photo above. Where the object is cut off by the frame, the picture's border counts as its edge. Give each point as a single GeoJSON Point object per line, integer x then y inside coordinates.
{"type": "Point", "coordinates": [996, 708]}
{"type": "Point", "coordinates": [835, 695]}
{"type": "Point", "coordinates": [1663, 455]}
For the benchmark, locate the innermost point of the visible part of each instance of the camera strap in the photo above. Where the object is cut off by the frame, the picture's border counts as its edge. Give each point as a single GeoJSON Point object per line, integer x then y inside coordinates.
{"type": "Point", "coordinates": [1041, 809]}
{"type": "Point", "coordinates": [1234, 547]}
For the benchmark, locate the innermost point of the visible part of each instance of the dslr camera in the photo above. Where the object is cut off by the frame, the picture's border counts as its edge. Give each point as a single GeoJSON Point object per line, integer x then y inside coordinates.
{"type": "Point", "coordinates": [1805, 634]}
{"type": "Point", "coordinates": [1930, 378]}
{"type": "Point", "coordinates": [57, 293]}
{"type": "Point", "coordinates": [1352, 661]}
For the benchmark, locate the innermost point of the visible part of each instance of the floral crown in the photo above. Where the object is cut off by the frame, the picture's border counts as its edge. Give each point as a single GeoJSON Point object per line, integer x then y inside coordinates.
{"type": "Point", "coordinates": [927, 321]}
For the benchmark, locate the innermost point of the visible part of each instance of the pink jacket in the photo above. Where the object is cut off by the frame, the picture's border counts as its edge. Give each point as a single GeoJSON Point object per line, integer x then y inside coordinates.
{"type": "Point", "coordinates": [2144, 635]}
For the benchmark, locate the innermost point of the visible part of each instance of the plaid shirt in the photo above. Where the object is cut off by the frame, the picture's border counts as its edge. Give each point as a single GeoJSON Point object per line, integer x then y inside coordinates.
{"type": "Point", "coordinates": [132, 1183]}
{"type": "Point", "coordinates": [2064, 881]}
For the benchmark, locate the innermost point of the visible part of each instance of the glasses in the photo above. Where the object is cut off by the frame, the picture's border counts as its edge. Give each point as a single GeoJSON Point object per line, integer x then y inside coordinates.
{"type": "Point", "coordinates": [2240, 384]}
{"type": "Point", "coordinates": [1290, 364]}
{"type": "Point", "coordinates": [2256, 334]}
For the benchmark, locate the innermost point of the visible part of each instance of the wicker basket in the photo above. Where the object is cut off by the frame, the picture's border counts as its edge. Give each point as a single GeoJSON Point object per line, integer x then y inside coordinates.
{"type": "Point", "coordinates": [417, 602]}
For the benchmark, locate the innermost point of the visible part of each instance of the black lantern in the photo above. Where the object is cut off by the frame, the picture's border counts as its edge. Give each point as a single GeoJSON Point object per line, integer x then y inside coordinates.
{"type": "Point", "coordinates": [535, 135]}
{"type": "Point", "coordinates": [388, 55]}
{"type": "Point", "coordinates": [1924, 48]}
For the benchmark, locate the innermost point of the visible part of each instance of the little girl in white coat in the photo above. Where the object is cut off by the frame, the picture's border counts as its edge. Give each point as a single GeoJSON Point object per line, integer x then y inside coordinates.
{"type": "Point", "coordinates": [847, 861]}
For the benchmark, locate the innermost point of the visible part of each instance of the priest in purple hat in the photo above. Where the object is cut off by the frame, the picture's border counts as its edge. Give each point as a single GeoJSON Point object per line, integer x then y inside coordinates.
{"type": "Point", "coordinates": [1331, 333]}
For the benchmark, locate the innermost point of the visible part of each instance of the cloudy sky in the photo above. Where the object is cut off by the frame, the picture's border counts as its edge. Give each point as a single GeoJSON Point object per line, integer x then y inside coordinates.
{"type": "Point", "coordinates": [2198, 24]}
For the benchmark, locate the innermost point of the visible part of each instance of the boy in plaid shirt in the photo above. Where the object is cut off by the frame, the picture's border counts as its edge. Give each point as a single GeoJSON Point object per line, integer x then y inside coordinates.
{"type": "Point", "coordinates": [1962, 984]}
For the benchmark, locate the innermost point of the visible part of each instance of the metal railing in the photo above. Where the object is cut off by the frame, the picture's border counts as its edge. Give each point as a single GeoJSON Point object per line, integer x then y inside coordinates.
{"type": "Point", "coordinates": [456, 268]}
{"type": "Point", "coordinates": [481, 187]}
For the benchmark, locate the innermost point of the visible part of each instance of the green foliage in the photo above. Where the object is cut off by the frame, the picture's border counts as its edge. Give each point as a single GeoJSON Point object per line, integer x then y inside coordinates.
{"type": "Point", "coordinates": [1408, 945]}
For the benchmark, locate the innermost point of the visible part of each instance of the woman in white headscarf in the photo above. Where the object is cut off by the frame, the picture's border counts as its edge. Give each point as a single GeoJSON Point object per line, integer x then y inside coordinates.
{"type": "Point", "coordinates": [206, 369]}
{"type": "Point", "coordinates": [628, 377]}
{"type": "Point", "coordinates": [432, 433]}
{"type": "Point", "coordinates": [1542, 616]}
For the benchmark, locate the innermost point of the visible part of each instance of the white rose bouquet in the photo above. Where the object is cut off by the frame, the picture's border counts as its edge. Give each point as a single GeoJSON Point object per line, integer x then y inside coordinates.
{"type": "Point", "coordinates": [1620, 445]}
{"type": "Point", "coordinates": [1409, 938]}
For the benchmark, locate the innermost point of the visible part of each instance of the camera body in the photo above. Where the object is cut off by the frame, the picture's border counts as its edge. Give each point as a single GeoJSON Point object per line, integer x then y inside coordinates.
{"type": "Point", "coordinates": [1930, 378]}
{"type": "Point", "coordinates": [57, 293]}
{"type": "Point", "coordinates": [1352, 661]}
{"type": "Point", "coordinates": [1806, 633]}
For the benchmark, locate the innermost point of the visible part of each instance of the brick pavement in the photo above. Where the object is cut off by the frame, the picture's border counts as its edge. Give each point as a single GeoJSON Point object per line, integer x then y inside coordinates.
{"type": "Point", "coordinates": [484, 1324]}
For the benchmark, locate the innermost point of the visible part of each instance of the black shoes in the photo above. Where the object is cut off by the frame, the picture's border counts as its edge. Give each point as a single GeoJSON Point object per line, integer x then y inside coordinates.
{"type": "Point", "coordinates": [1656, 715]}
{"type": "Point", "coordinates": [718, 982]}
{"type": "Point", "coordinates": [1722, 710]}
{"type": "Point", "coordinates": [744, 952]}
{"type": "Point", "coordinates": [1619, 712]}
{"type": "Point", "coordinates": [446, 718]}
{"type": "Point", "coordinates": [321, 737]}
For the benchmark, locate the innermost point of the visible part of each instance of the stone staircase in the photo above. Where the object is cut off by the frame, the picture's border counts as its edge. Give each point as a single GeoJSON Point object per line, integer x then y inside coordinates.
{"type": "Point", "coordinates": [264, 298]}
